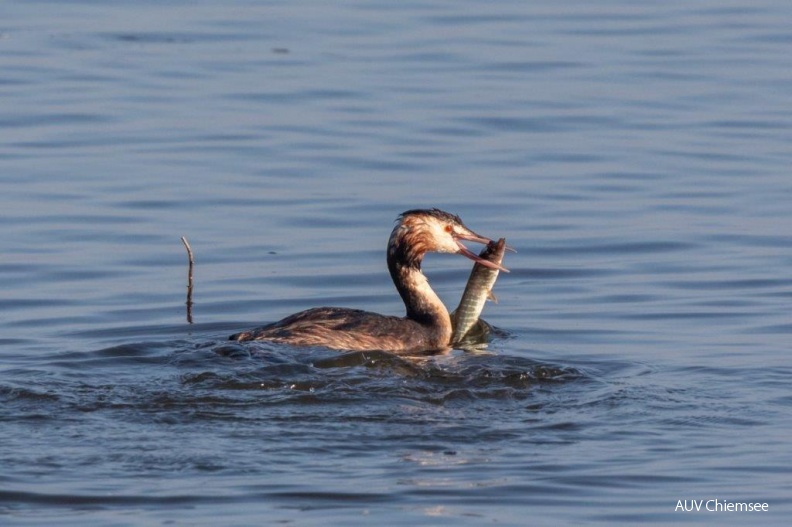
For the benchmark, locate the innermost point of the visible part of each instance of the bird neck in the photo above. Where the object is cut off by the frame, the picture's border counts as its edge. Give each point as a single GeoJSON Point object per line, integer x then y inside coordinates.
{"type": "Point", "coordinates": [421, 302]}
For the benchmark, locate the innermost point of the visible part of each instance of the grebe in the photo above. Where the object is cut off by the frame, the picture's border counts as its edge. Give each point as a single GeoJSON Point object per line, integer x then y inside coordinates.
{"type": "Point", "coordinates": [427, 324]}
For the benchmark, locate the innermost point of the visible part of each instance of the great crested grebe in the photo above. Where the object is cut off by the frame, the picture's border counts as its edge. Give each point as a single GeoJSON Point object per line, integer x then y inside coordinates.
{"type": "Point", "coordinates": [427, 325]}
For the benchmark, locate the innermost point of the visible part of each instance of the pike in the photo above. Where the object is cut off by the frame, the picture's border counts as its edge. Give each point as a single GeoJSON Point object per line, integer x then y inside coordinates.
{"type": "Point", "coordinates": [478, 290]}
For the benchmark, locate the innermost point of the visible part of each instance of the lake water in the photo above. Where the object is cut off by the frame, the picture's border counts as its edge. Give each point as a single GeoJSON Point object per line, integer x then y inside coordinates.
{"type": "Point", "coordinates": [636, 154]}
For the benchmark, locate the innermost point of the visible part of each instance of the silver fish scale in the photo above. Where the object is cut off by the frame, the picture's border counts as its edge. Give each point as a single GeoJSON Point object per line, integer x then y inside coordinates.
{"type": "Point", "coordinates": [477, 290]}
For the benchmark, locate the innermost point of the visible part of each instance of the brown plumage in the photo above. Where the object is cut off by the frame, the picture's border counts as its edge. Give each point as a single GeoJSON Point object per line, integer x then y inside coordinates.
{"type": "Point", "coordinates": [426, 326]}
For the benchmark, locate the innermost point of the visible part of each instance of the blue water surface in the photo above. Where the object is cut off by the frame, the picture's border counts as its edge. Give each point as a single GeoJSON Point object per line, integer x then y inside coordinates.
{"type": "Point", "coordinates": [636, 154]}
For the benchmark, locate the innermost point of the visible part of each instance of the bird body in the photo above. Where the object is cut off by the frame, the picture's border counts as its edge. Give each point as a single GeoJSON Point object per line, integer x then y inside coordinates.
{"type": "Point", "coordinates": [426, 325]}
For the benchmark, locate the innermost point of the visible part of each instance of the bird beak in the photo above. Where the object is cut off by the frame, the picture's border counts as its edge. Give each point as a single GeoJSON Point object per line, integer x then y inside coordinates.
{"type": "Point", "coordinates": [464, 251]}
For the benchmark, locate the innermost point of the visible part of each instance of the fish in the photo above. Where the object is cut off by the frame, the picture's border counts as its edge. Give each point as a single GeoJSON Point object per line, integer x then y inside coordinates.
{"type": "Point", "coordinates": [477, 291]}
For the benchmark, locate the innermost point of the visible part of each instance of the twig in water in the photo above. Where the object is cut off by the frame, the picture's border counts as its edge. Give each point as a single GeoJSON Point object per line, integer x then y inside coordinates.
{"type": "Point", "coordinates": [189, 279]}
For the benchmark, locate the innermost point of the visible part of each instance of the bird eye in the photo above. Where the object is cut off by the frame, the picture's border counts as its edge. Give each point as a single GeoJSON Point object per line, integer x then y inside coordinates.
{"type": "Point", "coordinates": [449, 229]}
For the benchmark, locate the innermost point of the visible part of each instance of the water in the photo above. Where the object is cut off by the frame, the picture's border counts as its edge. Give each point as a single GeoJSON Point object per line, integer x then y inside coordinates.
{"type": "Point", "coordinates": [636, 155]}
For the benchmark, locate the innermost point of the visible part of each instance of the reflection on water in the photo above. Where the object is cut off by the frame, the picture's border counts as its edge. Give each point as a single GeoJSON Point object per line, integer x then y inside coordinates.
{"type": "Point", "coordinates": [635, 155]}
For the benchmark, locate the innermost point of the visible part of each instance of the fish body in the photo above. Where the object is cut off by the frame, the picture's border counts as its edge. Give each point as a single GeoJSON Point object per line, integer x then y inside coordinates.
{"type": "Point", "coordinates": [477, 291]}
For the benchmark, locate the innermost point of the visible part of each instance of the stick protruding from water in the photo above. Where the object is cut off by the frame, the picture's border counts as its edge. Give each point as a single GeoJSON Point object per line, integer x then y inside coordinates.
{"type": "Point", "coordinates": [189, 279]}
